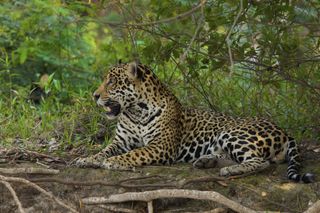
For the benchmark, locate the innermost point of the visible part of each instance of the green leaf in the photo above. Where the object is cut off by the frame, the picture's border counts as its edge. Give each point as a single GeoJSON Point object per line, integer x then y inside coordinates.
{"type": "Point", "coordinates": [23, 55]}
{"type": "Point", "coordinates": [57, 84]}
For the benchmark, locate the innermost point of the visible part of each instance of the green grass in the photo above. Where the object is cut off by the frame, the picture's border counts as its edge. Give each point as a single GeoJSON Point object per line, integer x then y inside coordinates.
{"type": "Point", "coordinates": [72, 124]}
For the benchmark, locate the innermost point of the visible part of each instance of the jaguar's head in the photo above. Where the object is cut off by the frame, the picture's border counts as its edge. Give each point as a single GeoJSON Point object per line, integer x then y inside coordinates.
{"type": "Point", "coordinates": [121, 88]}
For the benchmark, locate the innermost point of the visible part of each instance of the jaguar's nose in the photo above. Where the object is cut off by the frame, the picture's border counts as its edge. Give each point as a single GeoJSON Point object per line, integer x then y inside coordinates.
{"type": "Point", "coordinates": [96, 96]}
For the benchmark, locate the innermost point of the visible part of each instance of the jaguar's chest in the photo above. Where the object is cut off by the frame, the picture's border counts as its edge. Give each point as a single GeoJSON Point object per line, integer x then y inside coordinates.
{"type": "Point", "coordinates": [143, 128]}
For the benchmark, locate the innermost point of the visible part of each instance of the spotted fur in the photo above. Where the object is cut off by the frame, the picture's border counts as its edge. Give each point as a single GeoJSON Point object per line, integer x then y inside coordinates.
{"type": "Point", "coordinates": [154, 128]}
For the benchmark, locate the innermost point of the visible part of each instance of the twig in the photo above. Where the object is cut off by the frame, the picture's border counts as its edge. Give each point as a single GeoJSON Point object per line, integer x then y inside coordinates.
{"type": "Point", "coordinates": [42, 164]}
{"type": "Point", "coordinates": [216, 210]}
{"type": "Point", "coordinates": [169, 193]}
{"type": "Point", "coordinates": [14, 195]}
{"type": "Point", "coordinates": [199, 25]}
{"type": "Point", "coordinates": [202, 93]}
{"type": "Point", "coordinates": [27, 154]}
{"type": "Point", "coordinates": [5, 119]}
{"type": "Point", "coordinates": [37, 154]}
{"type": "Point", "coordinates": [37, 125]}
{"type": "Point", "coordinates": [315, 208]}
{"type": "Point", "coordinates": [35, 186]}
{"type": "Point", "coordinates": [150, 207]}
{"type": "Point", "coordinates": [114, 208]}
{"type": "Point", "coordinates": [228, 41]}
{"type": "Point", "coordinates": [30, 170]}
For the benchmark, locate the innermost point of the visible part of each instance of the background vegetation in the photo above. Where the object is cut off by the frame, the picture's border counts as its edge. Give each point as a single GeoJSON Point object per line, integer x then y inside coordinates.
{"type": "Point", "coordinates": [245, 58]}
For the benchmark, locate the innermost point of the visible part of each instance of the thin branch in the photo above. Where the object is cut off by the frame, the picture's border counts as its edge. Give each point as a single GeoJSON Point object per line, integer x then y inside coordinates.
{"type": "Point", "coordinates": [30, 170]}
{"type": "Point", "coordinates": [14, 195]}
{"type": "Point", "coordinates": [114, 208]}
{"type": "Point", "coordinates": [148, 196]}
{"type": "Point", "coordinates": [150, 207]}
{"type": "Point", "coordinates": [201, 92]}
{"type": "Point", "coordinates": [5, 119]}
{"type": "Point", "coordinates": [228, 41]}
{"type": "Point", "coordinates": [199, 25]}
{"type": "Point", "coordinates": [35, 186]}
{"type": "Point", "coordinates": [29, 155]}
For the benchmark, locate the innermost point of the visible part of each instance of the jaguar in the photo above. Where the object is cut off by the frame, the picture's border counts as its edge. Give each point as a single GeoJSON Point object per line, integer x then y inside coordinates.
{"type": "Point", "coordinates": [154, 128]}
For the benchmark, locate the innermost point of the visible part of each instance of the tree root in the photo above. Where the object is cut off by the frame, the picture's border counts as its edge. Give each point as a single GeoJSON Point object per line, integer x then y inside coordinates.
{"type": "Point", "coordinates": [14, 195]}
{"type": "Point", "coordinates": [5, 180]}
{"type": "Point", "coordinates": [30, 170]}
{"type": "Point", "coordinates": [148, 196]}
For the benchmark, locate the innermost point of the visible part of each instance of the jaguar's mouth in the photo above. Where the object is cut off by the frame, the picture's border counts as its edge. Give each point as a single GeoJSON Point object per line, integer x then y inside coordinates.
{"type": "Point", "coordinates": [112, 108]}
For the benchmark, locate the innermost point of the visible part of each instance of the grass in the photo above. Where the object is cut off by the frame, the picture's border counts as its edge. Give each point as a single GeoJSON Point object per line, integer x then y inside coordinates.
{"type": "Point", "coordinates": [72, 124]}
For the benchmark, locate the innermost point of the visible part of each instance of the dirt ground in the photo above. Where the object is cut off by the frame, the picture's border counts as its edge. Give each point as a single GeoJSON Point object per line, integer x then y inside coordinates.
{"type": "Point", "coordinates": [266, 191]}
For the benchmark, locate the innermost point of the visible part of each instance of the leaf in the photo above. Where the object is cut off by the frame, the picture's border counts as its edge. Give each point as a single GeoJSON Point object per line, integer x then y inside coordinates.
{"type": "Point", "coordinates": [23, 55]}
{"type": "Point", "coordinates": [57, 84]}
{"type": "Point", "coordinates": [50, 78]}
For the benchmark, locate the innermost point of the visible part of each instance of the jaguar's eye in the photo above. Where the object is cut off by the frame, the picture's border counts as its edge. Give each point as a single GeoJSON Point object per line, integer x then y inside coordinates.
{"type": "Point", "coordinates": [111, 81]}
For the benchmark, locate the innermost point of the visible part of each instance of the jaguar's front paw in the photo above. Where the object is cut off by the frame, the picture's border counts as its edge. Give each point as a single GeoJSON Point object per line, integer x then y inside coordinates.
{"type": "Point", "coordinates": [87, 162]}
{"type": "Point", "coordinates": [113, 164]}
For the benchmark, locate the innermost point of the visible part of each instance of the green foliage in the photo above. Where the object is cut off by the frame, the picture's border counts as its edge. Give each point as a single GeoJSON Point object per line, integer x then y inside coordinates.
{"type": "Point", "coordinates": [274, 47]}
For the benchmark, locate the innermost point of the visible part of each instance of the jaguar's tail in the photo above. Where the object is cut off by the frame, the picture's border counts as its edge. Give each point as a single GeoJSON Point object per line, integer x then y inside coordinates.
{"type": "Point", "coordinates": [293, 164]}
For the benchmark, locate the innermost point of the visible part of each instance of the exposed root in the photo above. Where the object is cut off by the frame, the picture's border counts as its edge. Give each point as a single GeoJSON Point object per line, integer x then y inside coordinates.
{"type": "Point", "coordinates": [30, 170]}
{"type": "Point", "coordinates": [148, 196]}
{"type": "Point", "coordinates": [48, 194]}
{"type": "Point", "coordinates": [14, 195]}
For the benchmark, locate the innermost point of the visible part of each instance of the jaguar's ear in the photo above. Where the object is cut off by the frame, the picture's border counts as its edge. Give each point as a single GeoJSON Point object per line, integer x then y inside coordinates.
{"type": "Point", "coordinates": [135, 71]}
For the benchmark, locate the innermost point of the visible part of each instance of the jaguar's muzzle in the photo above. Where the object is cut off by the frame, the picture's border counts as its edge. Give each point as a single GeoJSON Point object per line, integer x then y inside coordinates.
{"type": "Point", "coordinates": [113, 108]}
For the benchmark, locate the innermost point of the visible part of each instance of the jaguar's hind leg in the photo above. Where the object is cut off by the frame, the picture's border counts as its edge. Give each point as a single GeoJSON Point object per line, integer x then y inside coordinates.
{"type": "Point", "coordinates": [252, 165]}
{"type": "Point", "coordinates": [212, 160]}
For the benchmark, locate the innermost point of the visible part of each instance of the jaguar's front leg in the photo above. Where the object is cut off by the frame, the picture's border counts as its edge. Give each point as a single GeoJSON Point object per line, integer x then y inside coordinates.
{"type": "Point", "coordinates": [148, 155]}
{"type": "Point", "coordinates": [117, 147]}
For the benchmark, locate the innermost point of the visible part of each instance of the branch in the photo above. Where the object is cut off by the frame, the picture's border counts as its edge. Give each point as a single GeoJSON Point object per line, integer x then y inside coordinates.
{"type": "Point", "coordinates": [30, 170]}
{"type": "Point", "coordinates": [150, 206]}
{"type": "Point", "coordinates": [148, 196]}
{"type": "Point", "coordinates": [14, 195]}
{"type": "Point", "coordinates": [19, 153]}
{"type": "Point", "coordinates": [228, 41]}
{"type": "Point", "coordinates": [114, 208]}
{"type": "Point", "coordinates": [201, 91]}
{"type": "Point", "coordinates": [163, 21]}
{"type": "Point", "coordinates": [199, 25]}
{"type": "Point", "coordinates": [35, 186]}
